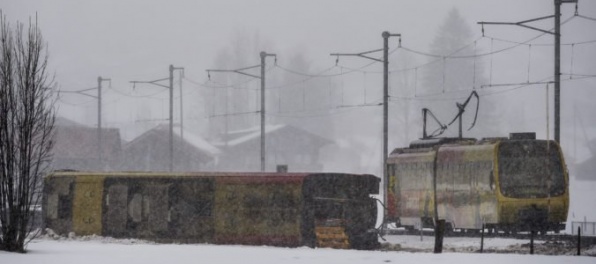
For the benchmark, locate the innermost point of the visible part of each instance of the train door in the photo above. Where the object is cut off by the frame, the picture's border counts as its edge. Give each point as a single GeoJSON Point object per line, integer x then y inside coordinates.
{"type": "Point", "coordinates": [58, 199]}
{"type": "Point", "coordinates": [116, 214]}
{"type": "Point", "coordinates": [87, 205]}
{"type": "Point", "coordinates": [158, 211]}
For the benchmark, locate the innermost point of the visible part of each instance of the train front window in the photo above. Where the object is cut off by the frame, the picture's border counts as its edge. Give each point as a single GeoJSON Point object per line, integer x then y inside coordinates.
{"type": "Point", "coordinates": [530, 169]}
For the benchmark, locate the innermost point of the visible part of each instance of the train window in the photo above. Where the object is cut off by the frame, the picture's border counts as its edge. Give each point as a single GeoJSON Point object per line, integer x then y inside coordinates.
{"type": "Point", "coordinates": [135, 207]}
{"type": "Point", "coordinates": [64, 204]}
{"type": "Point", "coordinates": [52, 206]}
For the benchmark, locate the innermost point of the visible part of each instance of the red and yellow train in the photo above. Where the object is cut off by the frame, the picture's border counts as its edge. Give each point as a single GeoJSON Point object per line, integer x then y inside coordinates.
{"type": "Point", "coordinates": [507, 184]}
{"type": "Point", "coordinates": [503, 184]}
{"type": "Point", "coordinates": [281, 209]}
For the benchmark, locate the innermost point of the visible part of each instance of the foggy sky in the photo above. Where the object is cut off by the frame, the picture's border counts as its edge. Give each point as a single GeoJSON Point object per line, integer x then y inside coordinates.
{"type": "Point", "coordinates": [138, 40]}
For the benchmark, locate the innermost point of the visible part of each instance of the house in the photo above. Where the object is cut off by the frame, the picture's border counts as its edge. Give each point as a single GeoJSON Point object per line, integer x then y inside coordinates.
{"type": "Point", "coordinates": [284, 145]}
{"type": "Point", "coordinates": [586, 170]}
{"type": "Point", "coordinates": [76, 147]}
{"type": "Point", "coordinates": [151, 152]}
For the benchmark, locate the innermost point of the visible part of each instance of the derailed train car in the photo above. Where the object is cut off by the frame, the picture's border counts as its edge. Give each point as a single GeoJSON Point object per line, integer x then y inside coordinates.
{"type": "Point", "coordinates": [507, 184]}
{"type": "Point", "coordinates": [280, 209]}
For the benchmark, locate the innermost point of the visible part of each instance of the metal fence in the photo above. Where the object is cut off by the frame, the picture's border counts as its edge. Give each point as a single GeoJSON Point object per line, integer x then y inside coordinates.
{"type": "Point", "coordinates": [587, 228]}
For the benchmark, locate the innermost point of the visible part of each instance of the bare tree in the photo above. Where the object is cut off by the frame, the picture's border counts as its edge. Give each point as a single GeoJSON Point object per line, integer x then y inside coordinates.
{"type": "Point", "coordinates": [26, 130]}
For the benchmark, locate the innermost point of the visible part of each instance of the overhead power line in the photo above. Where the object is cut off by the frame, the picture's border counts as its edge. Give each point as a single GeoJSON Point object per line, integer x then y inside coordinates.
{"type": "Point", "coordinates": [137, 96]}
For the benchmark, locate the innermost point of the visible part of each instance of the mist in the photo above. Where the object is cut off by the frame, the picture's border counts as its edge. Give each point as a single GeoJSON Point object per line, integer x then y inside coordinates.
{"type": "Point", "coordinates": [336, 98]}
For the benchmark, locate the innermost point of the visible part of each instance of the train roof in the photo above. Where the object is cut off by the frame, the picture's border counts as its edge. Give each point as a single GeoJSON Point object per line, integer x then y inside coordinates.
{"type": "Point", "coordinates": [431, 142]}
{"type": "Point", "coordinates": [427, 144]}
{"type": "Point", "coordinates": [201, 174]}
{"type": "Point", "coordinates": [367, 182]}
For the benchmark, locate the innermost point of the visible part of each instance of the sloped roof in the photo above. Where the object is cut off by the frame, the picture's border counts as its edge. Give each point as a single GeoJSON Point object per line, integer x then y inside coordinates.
{"type": "Point", "coordinates": [252, 133]}
{"type": "Point", "coordinates": [162, 131]}
{"type": "Point", "coordinates": [81, 142]}
{"type": "Point", "coordinates": [586, 170]}
{"type": "Point", "coordinates": [62, 121]}
{"type": "Point", "coordinates": [240, 137]}
{"type": "Point", "coordinates": [198, 142]}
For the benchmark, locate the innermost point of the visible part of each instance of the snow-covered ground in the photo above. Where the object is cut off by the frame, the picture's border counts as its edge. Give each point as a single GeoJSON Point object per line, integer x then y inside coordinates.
{"type": "Point", "coordinates": [96, 250]}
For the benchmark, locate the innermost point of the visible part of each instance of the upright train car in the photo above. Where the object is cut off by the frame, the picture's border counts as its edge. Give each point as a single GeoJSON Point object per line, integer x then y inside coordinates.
{"type": "Point", "coordinates": [280, 209]}
{"type": "Point", "coordinates": [509, 184]}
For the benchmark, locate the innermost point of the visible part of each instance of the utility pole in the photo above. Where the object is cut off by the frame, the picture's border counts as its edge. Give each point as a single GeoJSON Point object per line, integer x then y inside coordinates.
{"type": "Point", "coordinates": [557, 64]}
{"type": "Point", "coordinates": [99, 136]}
{"type": "Point", "coordinates": [181, 106]}
{"type": "Point", "coordinates": [170, 78]}
{"type": "Point", "coordinates": [385, 62]}
{"type": "Point", "coordinates": [98, 97]}
{"type": "Point", "coordinates": [263, 55]}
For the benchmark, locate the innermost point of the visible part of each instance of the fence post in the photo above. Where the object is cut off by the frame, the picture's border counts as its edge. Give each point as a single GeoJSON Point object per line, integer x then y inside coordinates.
{"type": "Point", "coordinates": [439, 232]}
{"type": "Point", "coordinates": [532, 242]}
{"type": "Point", "coordinates": [482, 239]}
{"type": "Point", "coordinates": [579, 240]}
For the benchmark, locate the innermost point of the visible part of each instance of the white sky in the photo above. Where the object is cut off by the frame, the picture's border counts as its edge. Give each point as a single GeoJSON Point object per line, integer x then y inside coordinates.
{"type": "Point", "coordinates": [139, 39]}
{"type": "Point", "coordinates": [128, 40]}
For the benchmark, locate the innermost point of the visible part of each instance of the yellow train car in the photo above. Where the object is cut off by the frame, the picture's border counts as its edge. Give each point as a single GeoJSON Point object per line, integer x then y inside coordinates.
{"type": "Point", "coordinates": [279, 209]}
{"type": "Point", "coordinates": [515, 184]}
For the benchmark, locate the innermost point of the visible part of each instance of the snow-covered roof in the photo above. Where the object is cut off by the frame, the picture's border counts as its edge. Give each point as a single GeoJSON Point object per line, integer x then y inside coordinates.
{"type": "Point", "coordinates": [198, 142]}
{"type": "Point", "coordinates": [252, 133]}
{"type": "Point", "coordinates": [190, 138]}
